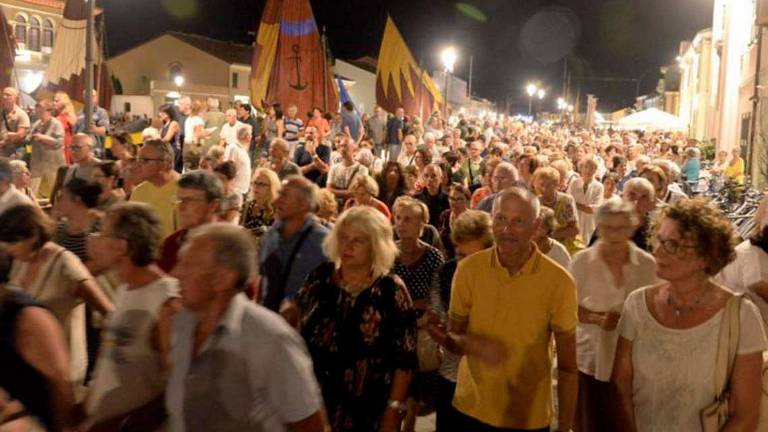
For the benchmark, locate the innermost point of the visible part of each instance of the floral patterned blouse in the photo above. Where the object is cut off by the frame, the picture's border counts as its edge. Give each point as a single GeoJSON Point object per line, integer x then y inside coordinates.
{"type": "Point", "coordinates": [357, 344]}
{"type": "Point", "coordinates": [256, 219]}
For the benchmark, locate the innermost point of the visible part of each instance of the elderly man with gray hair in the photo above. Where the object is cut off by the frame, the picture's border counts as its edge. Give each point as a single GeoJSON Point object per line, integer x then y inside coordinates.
{"type": "Point", "coordinates": [156, 161]}
{"type": "Point", "coordinates": [15, 124]}
{"type": "Point", "coordinates": [229, 129]}
{"type": "Point", "coordinates": [199, 195]}
{"type": "Point", "coordinates": [238, 153]}
{"type": "Point", "coordinates": [236, 366]}
{"type": "Point", "coordinates": [292, 247]}
{"type": "Point", "coordinates": [9, 195]}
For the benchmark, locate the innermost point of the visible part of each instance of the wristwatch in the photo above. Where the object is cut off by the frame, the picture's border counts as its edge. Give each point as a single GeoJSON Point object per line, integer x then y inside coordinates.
{"type": "Point", "coordinates": [398, 406]}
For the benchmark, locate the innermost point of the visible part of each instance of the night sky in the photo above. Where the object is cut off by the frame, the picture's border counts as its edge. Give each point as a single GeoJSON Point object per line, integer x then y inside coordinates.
{"type": "Point", "coordinates": [512, 41]}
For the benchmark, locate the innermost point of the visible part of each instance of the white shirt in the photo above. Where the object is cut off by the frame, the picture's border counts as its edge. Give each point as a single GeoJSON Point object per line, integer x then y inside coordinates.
{"type": "Point", "coordinates": [593, 197]}
{"type": "Point", "coordinates": [237, 154]}
{"type": "Point", "coordinates": [189, 128]}
{"type": "Point", "coordinates": [341, 176]}
{"type": "Point", "coordinates": [229, 132]}
{"type": "Point", "coordinates": [128, 373]}
{"type": "Point", "coordinates": [749, 267]}
{"type": "Point", "coordinates": [598, 292]}
{"type": "Point", "coordinates": [559, 254]}
{"type": "Point", "coordinates": [12, 197]}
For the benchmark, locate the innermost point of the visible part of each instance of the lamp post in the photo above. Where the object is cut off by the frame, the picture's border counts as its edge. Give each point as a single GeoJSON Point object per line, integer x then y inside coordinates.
{"type": "Point", "coordinates": [531, 90]}
{"type": "Point", "coordinates": [178, 80]}
{"type": "Point", "coordinates": [448, 57]}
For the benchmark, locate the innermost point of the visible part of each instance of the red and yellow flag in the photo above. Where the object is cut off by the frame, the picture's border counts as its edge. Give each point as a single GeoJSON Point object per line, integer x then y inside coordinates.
{"type": "Point", "coordinates": [400, 82]}
{"type": "Point", "coordinates": [289, 64]}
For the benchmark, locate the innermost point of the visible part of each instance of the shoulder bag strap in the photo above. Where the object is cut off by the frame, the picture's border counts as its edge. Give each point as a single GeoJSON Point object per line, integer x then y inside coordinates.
{"type": "Point", "coordinates": [294, 252]}
{"type": "Point", "coordinates": [727, 346]}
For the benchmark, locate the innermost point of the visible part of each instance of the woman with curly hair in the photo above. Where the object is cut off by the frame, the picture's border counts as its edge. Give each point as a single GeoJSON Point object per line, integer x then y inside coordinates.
{"type": "Point", "coordinates": [664, 367]}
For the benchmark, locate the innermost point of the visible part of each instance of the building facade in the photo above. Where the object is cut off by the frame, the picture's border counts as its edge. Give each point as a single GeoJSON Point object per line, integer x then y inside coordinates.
{"type": "Point", "coordinates": [696, 67]}
{"type": "Point", "coordinates": [34, 24]}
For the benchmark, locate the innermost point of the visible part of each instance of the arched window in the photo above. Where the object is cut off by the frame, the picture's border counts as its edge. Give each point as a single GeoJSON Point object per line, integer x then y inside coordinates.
{"type": "Point", "coordinates": [20, 29]}
{"type": "Point", "coordinates": [34, 34]}
{"type": "Point", "coordinates": [48, 33]}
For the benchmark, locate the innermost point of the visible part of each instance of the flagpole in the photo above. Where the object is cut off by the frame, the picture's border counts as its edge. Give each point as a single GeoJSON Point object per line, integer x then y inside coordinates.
{"type": "Point", "coordinates": [88, 96]}
{"type": "Point", "coordinates": [325, 70]}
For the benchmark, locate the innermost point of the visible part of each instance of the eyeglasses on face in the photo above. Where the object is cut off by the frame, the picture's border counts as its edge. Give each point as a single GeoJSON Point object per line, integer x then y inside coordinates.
{"type": "Point", "coordinates": [672, 247]}
{"type": "Point", "coordinates": [147, 160]}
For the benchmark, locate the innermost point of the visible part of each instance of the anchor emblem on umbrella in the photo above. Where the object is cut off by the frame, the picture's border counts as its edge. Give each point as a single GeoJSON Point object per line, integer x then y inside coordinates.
{"type": "Point", "coordinates": [297, 60]}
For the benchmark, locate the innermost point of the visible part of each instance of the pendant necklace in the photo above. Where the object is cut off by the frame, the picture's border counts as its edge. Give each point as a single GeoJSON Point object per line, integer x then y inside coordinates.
{"type": "Point", "coordinates": [684, 309]}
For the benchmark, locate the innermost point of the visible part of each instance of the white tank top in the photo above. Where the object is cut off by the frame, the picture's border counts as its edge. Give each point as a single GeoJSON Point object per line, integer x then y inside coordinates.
{"type": "Point", "coordinates": [128, 370]}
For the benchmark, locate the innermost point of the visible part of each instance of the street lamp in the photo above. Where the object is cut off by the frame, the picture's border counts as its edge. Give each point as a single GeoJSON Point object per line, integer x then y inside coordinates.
{"type": "Point", "coordinates": [448, 57]}
{"type": "Point", "coordinates": [531, 89]}
{"type": "Point", "coordinates": [541, 93]}
{"type": "Point", "coordinates": [178, 80]}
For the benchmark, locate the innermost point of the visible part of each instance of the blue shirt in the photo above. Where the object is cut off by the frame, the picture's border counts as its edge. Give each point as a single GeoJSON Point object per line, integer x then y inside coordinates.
{"type": "Point", "coordinates": [252, 374]}
{"type": "Point", "coordinates": [309, 256]}
{"type": "Point", "coordinates": [393, 126]}
{"type": "Point", "coordinates": [691, 170]}
{"type": "Point", "coordinates": [100, 119]}
{"type": "Point", "coordinates": [351, 120]}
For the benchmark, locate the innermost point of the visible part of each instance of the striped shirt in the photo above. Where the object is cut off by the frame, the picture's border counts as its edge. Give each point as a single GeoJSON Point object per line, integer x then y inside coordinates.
{"type": "Point", "coordinates": [292, 127]}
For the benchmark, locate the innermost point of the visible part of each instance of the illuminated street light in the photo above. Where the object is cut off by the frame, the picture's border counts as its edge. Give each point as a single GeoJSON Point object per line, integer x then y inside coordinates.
{"type": "Point", "coordinates": [178, 80]}
{"type": "Point", "coordinates": [531, 89]}
{"type": "Point", "coordinates": [541, 93]}
{"type": "Point", "coordinates": [448, 56]}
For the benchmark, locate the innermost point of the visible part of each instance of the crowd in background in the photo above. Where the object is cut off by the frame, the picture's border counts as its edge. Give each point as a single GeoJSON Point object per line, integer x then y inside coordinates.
{"type": "Point", "coordinates": [247, 270]}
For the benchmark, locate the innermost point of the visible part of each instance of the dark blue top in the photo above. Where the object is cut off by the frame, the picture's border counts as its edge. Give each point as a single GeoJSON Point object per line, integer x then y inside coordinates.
{"type": "Point", "coordinates": [393, 126]}
{"type": "Point", "coordinates": [303, 158]}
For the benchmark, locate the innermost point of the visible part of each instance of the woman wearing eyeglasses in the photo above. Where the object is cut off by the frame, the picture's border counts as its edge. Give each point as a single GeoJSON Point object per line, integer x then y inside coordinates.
{"type": "Point", "coordinates": [258, 212]}
{"type": "Point", "coordinates": [458, 202]}
{"type": "Point", "coordinates": [664, 369]}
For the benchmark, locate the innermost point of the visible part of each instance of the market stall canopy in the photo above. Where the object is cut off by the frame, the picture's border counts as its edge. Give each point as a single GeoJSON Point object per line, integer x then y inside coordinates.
{"type": "Point", "coordinates": [652, 119]}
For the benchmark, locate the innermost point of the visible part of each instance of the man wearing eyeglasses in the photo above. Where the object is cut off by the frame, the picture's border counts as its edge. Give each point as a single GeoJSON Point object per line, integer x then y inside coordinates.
{"type": "Point", "coordinates": [504, 176]}
{"type": "Point", "coordinates": [160, 183]}
{"type": "Point", "coordinates": [198, 202]}
{"type": "Point", "coordinates": [84, 162]}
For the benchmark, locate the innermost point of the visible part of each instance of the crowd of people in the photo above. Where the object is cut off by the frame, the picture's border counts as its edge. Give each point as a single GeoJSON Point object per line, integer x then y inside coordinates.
{"type": "Point", "coordinates": [246, 270]}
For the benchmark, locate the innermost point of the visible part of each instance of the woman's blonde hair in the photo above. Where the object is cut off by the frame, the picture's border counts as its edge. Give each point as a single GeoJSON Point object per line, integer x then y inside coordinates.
{"type": "Point", "coordinates": [327, 207]}
{"type": "Point", "coordinates": [66, 102]}
{"type": "Point", "coordinates": [470, 226]}
{"type": "Point", "coordinates": [547, 173]}
{"type": "Point", "coordinates": [375, 227]}
{"type": "Point", "coordinates": [367, 182]}
{"type": "Point", "coordinates": [406, 202]}
{"type": "Point", "coordinates": [274, 183]}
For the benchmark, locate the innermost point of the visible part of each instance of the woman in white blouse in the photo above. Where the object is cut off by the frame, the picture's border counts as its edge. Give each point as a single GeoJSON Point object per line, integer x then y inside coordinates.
{"type": "Point", "coordinates": [665, 358]}
{"type": "Point", "coordinates": [587, 192]}
{"type": "Point", "coordinates": [605, 275]}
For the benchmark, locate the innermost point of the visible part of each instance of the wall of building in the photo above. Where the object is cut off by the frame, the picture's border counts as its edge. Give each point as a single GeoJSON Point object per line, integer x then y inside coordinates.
{"type": "Point", "coordinates": [152, 61]}
{"type": "Point", "coordinates": [30, 64]}
{"type": "Point", "coordinates": [362, 89]}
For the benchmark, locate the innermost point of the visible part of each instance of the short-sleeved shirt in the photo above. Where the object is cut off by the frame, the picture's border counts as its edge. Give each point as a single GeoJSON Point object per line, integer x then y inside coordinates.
{"type": "Point", "coordinates": [302, 158]}
{"type": "Point", "coordinates": [598, 292]}
{"type": "Point", "coordinates": [377, 125]}
{"type": "Point", "coordinates": [394, 125]}
{"type": "Point", "coordinates": [289, 168]}
{"type": "Point", "coordinates": [163, 201]}
{"type": "Point", "coordinates": [252, 374]}
{"type": "Point", "coordinates": [522, 311]}
{"type": "Point", "coordinates": [673, 369]}
{"type": "Point", "coordinates": [341, 175]}
{"type": "Point", "coordinates": [12, 121]}
{"type": "Point", "coordinates": [418, 276]}
{"type": "Point", "coordinates": [292, 128]}
{"type": "Point", "coordinates": [100, 119]}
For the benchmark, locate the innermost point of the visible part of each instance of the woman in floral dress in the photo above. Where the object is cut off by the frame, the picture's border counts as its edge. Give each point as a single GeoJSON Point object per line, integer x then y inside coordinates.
{"type": "Point", "coordinates": [360, 326]}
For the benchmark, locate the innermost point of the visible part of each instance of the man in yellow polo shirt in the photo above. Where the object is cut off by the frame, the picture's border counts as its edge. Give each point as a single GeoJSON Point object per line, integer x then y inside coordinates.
{"type": "Point", "coordinates": [506, 304]}
{"type": "Point", "coordinates": [159, 186]}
